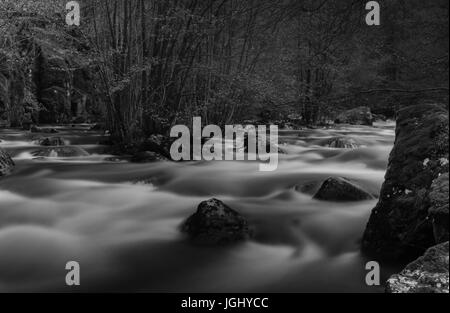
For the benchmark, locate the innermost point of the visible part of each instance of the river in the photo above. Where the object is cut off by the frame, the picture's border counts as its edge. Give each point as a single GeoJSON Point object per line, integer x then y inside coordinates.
{"type": "Point", "coordinates": [120, 220]}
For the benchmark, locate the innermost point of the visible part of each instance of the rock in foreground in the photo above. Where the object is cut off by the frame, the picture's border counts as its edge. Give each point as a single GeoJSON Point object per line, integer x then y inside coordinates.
{"type": "Point", "coordinates": [357, 116]}
{"type": "Point", "coordinates": [400, 226]}
{"type": "Point", "coordinates": [6, 163]}
{"type": "Point", "coordinates": [215, 223]}
{"type": "Point", "coordinates": [427, 274]}
{"type": "Point", "coordinates": [341, 189]}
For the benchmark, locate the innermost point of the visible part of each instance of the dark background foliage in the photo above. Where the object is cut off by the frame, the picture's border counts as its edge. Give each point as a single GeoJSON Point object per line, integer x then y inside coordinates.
{"type": "Point", "coordinates": [142, 66]}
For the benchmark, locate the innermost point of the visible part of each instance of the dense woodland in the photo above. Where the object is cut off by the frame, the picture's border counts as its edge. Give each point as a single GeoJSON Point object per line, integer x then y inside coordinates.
{"type": "Point", "coordinates": [142, 66]}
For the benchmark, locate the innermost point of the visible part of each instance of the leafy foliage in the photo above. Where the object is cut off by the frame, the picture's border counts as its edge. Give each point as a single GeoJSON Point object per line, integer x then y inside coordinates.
{"type": "Point", "coordinates": [155, 63]}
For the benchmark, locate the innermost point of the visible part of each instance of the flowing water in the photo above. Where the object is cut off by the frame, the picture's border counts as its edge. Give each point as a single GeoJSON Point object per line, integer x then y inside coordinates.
{"type": "Point", "coordinates": [120, 220]}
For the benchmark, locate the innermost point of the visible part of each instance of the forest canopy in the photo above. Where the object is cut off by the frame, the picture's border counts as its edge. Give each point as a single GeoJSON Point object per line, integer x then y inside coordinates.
{"type": "Point", "coordinates": [142, 66]}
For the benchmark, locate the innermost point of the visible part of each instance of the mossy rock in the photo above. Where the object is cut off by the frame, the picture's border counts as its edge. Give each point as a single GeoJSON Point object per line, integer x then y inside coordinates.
{"type": "Point", "coordinates": [400, 226]}
{"type": "Point", "coordinates": [427, 274]}
{"type": "Point", "coordinates": [6, 163]}
{"type": "Point", "coordinates": [215, 223]}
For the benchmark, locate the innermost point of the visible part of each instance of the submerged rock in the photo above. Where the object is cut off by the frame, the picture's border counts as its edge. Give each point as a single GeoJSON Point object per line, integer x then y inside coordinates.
{"type": "Point", "coordinates": [427, 274]}
{"type": "Point", "coordinates": [400, 226]}
{"type": "Point", "coordinates": [341, 142]}
{"type": "Point", "coordinates": [268, 145]}
{"type": "Point", "coordinates": [216, 223]}
{"type": "Point", "coordinates": [51, 141]}
{"type": "Point", "coordinates": [357, 116]}
{"type": "Point", "coordinates": [341, 189]}
{"type": "Point", "coordinates": [61, 152]}
{"type": "Point", "coordinates": [6, 163]}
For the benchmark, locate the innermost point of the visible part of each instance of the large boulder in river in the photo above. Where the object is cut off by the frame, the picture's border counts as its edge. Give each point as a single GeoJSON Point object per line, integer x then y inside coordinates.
{"type": "Point", "coordinates": [341, 189]}
{"type": "Point", "coordinates": [427, 274]}
{"type": "Point", "coordinates": [60, 152]}
{"type": "Point", "coordinates": [341, 143]}
{"type": "Point", "coordinates": [216, 223]}
{"type": "Point", "coordinates": [6, 163]}
{"type": "Point", "coordinates": [356, 116]}
{"type": "Point", "coordinates": [400, 226]}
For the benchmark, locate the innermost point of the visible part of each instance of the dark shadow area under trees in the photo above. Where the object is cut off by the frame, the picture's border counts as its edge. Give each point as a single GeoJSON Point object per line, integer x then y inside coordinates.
{"type": "Point", "coordinates": [140, 67]}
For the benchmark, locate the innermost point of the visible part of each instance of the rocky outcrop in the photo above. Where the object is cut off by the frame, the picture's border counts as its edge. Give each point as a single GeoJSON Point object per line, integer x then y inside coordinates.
{"type": "Point", "coordinates": [427, 274]}
{"type": "Point", "coordinates": [60, 152]}
{"type": "Point", "coordinates": [216, 223]}
{"type": "Point", "coordinates": [6, 163]}
{"type": "Point", "coordinates": [439, 208]}
{"type": "Point", "coordinates": [401, 224]}
{"type": "Point", "coordinates": [357, 116]}
{"type": "Point", "coordinates": [341, 189]}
